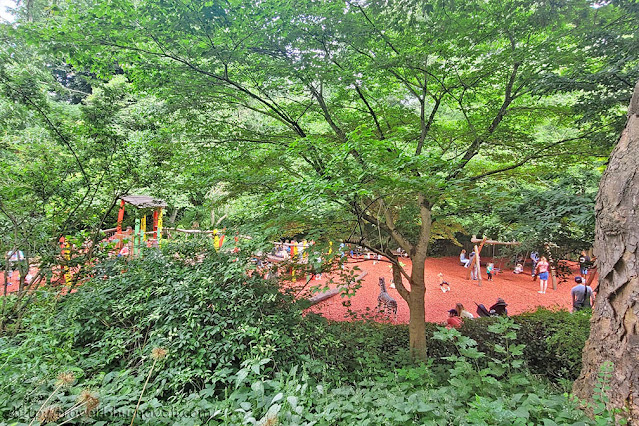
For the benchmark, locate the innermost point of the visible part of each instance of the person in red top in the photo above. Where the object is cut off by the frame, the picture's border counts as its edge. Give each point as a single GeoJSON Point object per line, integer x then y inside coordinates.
{"type": "Point", "coordinates": [542, 272]}
{"type": "Point", "coordinates": [453, 319]}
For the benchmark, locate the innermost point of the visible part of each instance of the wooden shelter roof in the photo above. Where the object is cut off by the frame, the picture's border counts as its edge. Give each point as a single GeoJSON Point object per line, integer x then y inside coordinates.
{"type": "Point", "coordinates": [143, 201]}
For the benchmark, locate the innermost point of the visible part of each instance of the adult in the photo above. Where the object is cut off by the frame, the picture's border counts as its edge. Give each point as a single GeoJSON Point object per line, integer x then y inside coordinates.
{"type": "Point", "coordinates": [534, 256]}
{"type": "Point", "coordinates": [462, 312]}
{"type": "Point", "coordinates": [474, 272]}
{"type": "Point", "coordinates": [499, 308]}
{"type": "Point", "coordinates": [542, 271]}
{"type": "Point", "coordinates": [584, 263]}
{"type": "Point", "coordinates": [453, 320]}
{"type": "Point", "coordinates": [463, 259]}
{"type": "Point", "coordinates": [582, 295]}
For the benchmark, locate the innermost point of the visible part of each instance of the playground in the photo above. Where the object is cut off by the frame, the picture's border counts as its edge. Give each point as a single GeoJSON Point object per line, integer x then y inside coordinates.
{"type": "Point", "coordinates": [518, 290]}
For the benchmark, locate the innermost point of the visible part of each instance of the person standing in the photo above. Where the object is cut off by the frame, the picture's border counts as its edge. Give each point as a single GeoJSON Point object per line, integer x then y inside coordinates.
{"type": "Point", "coordinates": [14, 257]}
{"type": "Point", "coordinates": [584, 263]}
{"type": "Point", "coordinates": [582, 295]}
{"type": "Point", "coordinates": [534, 256]}
{"type": "Point", "coordinates": [474, 272]}
{"type": "Point", "coordinates": [542, 271]}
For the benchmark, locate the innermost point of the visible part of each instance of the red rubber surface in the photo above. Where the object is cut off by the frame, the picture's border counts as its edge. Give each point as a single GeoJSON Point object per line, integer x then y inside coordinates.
{"type": "Point", "coordinates": [518, 290]}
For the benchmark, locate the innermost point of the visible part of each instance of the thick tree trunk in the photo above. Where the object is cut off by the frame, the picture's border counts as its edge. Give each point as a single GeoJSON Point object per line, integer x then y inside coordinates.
{"type": "Point", "coordinates": [417, 323]}
{"type": "Point", "coordinates": [614, 334]}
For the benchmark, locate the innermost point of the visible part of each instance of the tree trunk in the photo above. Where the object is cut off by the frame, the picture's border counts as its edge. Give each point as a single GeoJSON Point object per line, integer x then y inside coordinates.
{"type": "Point", "coordinates": [417, 322]}
{"type": "Point", "coordinates": [614, 325]}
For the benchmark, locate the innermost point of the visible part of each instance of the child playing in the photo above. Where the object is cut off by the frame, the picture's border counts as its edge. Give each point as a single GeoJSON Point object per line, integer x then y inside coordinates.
{"type": "Point", "coordinates": [443, 285]}
{"type": "Point", "coordinates": [490, 270]}
{"type": "Point", "coordinates": [519, 268]}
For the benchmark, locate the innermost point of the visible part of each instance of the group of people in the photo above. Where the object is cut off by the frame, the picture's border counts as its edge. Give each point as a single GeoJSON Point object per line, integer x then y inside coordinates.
{"type": "Point", "coordinates": [459, 313]}
{"type": "Point", "coordinates": [471, 262]}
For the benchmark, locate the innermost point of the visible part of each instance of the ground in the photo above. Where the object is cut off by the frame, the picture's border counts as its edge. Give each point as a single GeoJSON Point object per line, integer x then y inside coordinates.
{"type": "Point", "coordinates": [518, 290]}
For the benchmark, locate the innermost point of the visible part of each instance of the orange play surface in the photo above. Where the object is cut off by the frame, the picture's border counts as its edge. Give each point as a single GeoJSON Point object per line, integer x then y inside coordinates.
{"type": "Point", "coordinates": [518, 290]}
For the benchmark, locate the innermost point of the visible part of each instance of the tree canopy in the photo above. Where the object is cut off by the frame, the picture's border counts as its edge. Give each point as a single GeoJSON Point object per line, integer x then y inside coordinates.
{"type": "Point", "coordinates": [379, 123]}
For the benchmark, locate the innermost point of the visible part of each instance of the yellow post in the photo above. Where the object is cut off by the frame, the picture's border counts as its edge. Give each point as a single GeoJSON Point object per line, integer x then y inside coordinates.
{"type": "Point", "coordinates": [216, 240]}
{"type": "Point", "coordinates": [160, 226]}
{"type": "Point", "coordinates": [143, 227]}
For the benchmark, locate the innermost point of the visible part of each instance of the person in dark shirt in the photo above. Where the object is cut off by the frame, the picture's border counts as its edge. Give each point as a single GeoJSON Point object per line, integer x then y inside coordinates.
{"type": "Point", "coordinates": [582, 296]}
{"type": "Point", "coordinates": [499, 308]}
{"type": "Point", "coordinates": [584, 263]}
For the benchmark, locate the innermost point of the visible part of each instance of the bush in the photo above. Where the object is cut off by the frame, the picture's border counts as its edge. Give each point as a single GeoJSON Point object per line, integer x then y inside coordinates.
{"type": "Point", "coordinates": [210, 316]}
{"type": "Point", "coordinates": [554, 342]}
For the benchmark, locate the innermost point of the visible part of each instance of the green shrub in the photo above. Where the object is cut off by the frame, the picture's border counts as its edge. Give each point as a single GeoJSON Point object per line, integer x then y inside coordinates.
{"type": "Point", "coordinates": [210, 316]}
{"type": "Point", "coordinates": [554, 341]}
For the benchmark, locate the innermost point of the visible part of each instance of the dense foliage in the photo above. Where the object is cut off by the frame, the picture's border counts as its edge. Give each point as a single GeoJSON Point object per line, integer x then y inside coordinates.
{"type": "Point", "coordinates": [386, 123]}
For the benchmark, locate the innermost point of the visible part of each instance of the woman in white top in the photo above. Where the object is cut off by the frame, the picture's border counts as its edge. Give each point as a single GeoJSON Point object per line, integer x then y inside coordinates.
{"type": "Point", "coordinates": [463, 259]}
{"type": "Point", "coordinates": [462, 312]}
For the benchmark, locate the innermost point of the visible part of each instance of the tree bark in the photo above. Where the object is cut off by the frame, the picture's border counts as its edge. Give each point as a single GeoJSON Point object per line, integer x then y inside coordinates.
{"type": "Point", "coordinates": [417, 320]}
{"type": "Point", "coordinates": [614, 324]}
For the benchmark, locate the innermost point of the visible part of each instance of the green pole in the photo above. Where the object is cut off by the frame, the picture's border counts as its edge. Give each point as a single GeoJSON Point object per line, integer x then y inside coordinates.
{"type": "Point", "coordinates": [137, 240]}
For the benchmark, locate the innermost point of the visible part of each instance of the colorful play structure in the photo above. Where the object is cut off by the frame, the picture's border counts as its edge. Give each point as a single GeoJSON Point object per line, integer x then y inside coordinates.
{"type": "Point", "coordinates": [143, 204]}
{"type": "Point", "coordinates": [132, 240]}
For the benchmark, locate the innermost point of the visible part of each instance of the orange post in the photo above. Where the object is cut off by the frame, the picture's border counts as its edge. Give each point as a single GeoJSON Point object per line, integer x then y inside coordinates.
{"type": "Point", "coordinates": [120, 216]}
{"type": "Point", "coordinates": [155, 224]}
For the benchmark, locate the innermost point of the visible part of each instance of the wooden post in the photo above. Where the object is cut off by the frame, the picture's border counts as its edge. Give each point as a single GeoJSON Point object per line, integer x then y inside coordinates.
{"type": "Point", "coordinates": [143, 227]}
{"type": "Point", "coordinates": [66, 254]}
{"type": "Point", "coordinates": [120, 217]}
{"type": "Point", "coordinates": [592, 274]}
{"type": "Point", "coordinates": [553, 276]}
{"type": "Point", "coordinates": [216, 240]}
{"type": "Point", "coordinates": [478, 263]}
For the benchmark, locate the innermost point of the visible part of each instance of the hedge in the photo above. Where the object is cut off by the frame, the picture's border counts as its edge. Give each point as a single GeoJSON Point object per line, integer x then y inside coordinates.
{"type": "Point", "coordinates": [554, 342]}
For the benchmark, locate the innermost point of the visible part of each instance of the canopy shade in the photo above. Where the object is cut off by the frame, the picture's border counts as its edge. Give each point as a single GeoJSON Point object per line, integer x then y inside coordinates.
{"type": "Point", "coordinates": [143, 201]}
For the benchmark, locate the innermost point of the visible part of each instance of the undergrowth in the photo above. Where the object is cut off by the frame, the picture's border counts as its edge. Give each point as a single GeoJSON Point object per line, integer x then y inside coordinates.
{"type": "Point", "coordinates": [234, 350]}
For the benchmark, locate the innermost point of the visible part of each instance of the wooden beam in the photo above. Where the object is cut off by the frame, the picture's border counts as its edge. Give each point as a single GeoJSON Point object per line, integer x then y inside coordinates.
{"type": "Point", "coordinates": [120, 216]}
{"type": "Point", "coordinates": [484, 240]}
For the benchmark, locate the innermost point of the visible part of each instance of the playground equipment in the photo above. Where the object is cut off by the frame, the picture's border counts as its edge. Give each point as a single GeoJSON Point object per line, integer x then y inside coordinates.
{"type": "Point", "coordinates": [141, 202]}
{"type": "Point", "coordinates": [477, 250]}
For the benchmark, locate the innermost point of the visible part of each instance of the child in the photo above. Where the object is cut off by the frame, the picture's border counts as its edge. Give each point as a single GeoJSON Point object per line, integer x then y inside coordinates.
{"type": "Point", "coordinates": [490, 270]}
{"type": "Point", "coordinates": [519, 269]}
{"type": "Point", "coordinates": [443, 285]}
{"type": "Point", "coordinates": [454, 320]}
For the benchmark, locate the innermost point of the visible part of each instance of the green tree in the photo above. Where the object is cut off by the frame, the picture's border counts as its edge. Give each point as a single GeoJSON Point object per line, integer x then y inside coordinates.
{"type": "Point", "coordinates": [369, 117]}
